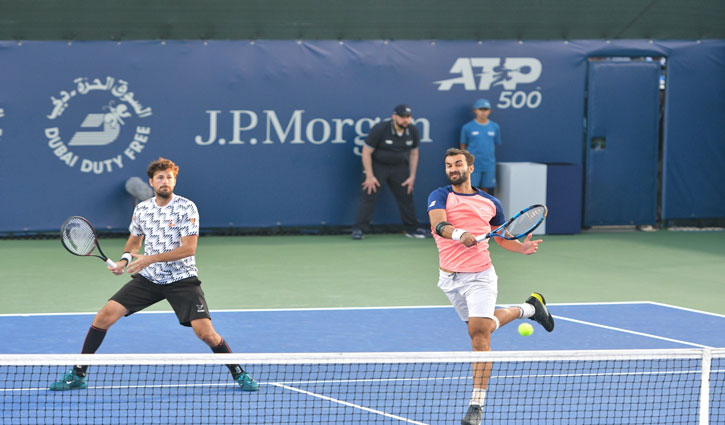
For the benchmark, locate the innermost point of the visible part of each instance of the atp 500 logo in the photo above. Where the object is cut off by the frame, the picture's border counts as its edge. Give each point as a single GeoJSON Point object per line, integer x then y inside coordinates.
{"type": "Point", "coordinates": [481, 74]}
{"type": "Point", "coordinates": [98, 123]}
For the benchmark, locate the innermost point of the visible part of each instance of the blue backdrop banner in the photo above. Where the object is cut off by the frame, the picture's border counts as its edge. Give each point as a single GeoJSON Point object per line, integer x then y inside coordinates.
{"type": "Point", "coordinates": [269, 133]}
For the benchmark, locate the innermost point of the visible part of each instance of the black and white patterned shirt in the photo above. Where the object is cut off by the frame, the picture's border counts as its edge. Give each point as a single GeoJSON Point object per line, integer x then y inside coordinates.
{"type": "Point", "coordinates": [163, 228]}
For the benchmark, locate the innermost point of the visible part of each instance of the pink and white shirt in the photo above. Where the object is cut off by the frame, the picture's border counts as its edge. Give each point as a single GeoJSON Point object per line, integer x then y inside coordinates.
{"type": "Point", "coordinates": [477, 213]}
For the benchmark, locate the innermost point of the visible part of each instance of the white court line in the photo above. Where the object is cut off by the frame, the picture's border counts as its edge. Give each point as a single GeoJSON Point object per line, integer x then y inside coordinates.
{"type": "Point", "coordinates": [412, 307]}
{"type": "Point", "coordinates": [692, 310]}
{"type": "Point", "coordinates": [602, 303]}
{"type": "Point", "coordinates": [582, 322]}
{"type": "Point", "coordinates": [345, 403]}
{"type": "Point", "coordinates": [241, 310]}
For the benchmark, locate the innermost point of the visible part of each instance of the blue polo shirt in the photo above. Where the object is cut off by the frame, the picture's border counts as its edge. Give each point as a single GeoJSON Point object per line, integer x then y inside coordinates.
{"type": "Point", "coordinates": [480, 140]}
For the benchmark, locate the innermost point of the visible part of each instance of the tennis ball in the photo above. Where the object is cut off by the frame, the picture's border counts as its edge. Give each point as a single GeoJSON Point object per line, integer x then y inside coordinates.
{"type": "Point", "coordinates": [525, 329]}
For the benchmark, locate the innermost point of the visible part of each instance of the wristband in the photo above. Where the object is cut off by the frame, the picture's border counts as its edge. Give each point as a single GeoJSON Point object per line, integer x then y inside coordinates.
{"type": "Point", "coordinates": [440, 226]}
{"type": "Point", "coordinates": [457, 233]}
{"type": "Point", "coordinates": [127, 256]}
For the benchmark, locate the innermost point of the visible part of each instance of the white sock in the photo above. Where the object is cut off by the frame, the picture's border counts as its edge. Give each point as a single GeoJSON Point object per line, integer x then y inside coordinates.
{"type": "Point", "coordinates": [527, 310]}
{"type": "Point", "coordinates": [478, 396]}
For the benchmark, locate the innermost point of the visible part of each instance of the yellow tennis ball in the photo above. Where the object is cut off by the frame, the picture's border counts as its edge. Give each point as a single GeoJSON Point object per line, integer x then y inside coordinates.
{"type": "Point", "coordinates": [525, 329]}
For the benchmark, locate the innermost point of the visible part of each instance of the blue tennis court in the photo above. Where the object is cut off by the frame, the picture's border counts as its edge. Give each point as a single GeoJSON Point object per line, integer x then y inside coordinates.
{"type": "Point", "coordinates": [637, 325]}
{"type": "Point", "coordinates": [430, 392]}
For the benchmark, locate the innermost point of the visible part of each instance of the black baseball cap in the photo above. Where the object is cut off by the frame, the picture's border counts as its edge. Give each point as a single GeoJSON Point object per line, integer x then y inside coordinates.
{"type": "Point", "coordinates": [403, 110]}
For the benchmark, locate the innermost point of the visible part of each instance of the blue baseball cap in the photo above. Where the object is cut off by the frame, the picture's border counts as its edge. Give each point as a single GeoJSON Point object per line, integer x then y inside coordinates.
{"type": "Point", "coordinates": [482, 104]}
{"type": "Point", "coordinates": [403, 111]}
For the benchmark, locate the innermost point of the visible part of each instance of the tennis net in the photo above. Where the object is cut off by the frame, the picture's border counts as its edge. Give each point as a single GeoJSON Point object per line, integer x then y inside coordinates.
{"type": "Point", "coordinates": [535, 387]}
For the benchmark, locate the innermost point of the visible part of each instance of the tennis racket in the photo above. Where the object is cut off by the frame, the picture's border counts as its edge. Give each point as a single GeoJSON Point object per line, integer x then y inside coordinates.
{"type": "Point", "coordinates": [520, 225]}
{"type": "Point", "coordinates": [79, 238]}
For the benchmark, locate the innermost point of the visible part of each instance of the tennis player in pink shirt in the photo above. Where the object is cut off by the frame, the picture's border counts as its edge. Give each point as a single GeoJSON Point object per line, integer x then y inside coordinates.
{"type": "Point", "coordinates": [458, 213]}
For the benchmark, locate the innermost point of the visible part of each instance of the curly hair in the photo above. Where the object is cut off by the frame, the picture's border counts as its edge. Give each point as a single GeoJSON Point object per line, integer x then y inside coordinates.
{"type": "Point", "coordinates": [162, 164]}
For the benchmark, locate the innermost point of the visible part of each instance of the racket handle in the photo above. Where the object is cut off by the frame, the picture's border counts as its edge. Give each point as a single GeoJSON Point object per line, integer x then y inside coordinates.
{"type": "Point", "coordinates": [481, 238]}
{"type": "Point", "coordinates": [111, 263]}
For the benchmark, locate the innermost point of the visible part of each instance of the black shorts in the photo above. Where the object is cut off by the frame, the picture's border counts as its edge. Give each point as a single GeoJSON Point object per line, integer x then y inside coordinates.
{"type": "Point", "coordinates": [185, 296]}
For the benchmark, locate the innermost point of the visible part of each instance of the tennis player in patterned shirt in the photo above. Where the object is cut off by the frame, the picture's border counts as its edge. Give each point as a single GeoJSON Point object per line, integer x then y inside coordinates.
{"type": "Point", "coordinates": [167, 270]}
{"type": "Point", "coordinates": [458, 213]}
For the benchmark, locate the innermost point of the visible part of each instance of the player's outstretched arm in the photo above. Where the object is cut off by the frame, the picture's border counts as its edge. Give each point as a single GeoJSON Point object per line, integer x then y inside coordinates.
{"type": "Point", "coordinates": [527, 247]}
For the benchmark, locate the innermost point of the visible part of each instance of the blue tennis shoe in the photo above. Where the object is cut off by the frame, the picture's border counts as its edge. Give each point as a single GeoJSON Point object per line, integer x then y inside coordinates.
{"type": "Point", "coordinates": [246, 382]}
{"type": "Point", "coordinates": [70, 381]}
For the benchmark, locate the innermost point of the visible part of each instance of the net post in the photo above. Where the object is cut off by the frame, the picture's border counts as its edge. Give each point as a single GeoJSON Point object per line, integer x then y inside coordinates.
{"type": "Point", "coordinates": [705, 387]}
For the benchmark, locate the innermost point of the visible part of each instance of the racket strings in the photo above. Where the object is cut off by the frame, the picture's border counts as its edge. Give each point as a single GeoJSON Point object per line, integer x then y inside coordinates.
{"type": "Point", "coordinates": [79, 237]}
{"type": "Point", "coordinates": [526, 221]}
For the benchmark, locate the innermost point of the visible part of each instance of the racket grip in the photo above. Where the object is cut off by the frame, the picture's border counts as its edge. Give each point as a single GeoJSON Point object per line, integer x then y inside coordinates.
{"type": "Point", "coordinates": [481, 238]}
{"type": "Point", "coordinates": [111, 263]}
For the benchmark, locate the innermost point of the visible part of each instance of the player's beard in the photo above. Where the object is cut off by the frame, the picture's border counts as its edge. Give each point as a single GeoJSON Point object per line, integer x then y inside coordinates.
{"type": "Point", "coordinates": [164, 195]}
{"type": "Point", "coordinates": [456, 181]}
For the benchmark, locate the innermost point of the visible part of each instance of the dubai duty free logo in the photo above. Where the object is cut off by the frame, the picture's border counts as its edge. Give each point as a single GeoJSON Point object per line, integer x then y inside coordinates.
{"type": "Point", "coordinates": [98, 125]}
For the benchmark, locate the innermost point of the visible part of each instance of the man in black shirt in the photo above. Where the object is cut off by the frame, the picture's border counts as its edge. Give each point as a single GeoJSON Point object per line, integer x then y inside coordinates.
{"type": "Point", "coordinates": [390, 154]}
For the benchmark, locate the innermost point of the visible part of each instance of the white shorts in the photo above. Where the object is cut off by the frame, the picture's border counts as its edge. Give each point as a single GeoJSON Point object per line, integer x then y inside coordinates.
{"type": "Point", "coordinates": [472, 294]}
